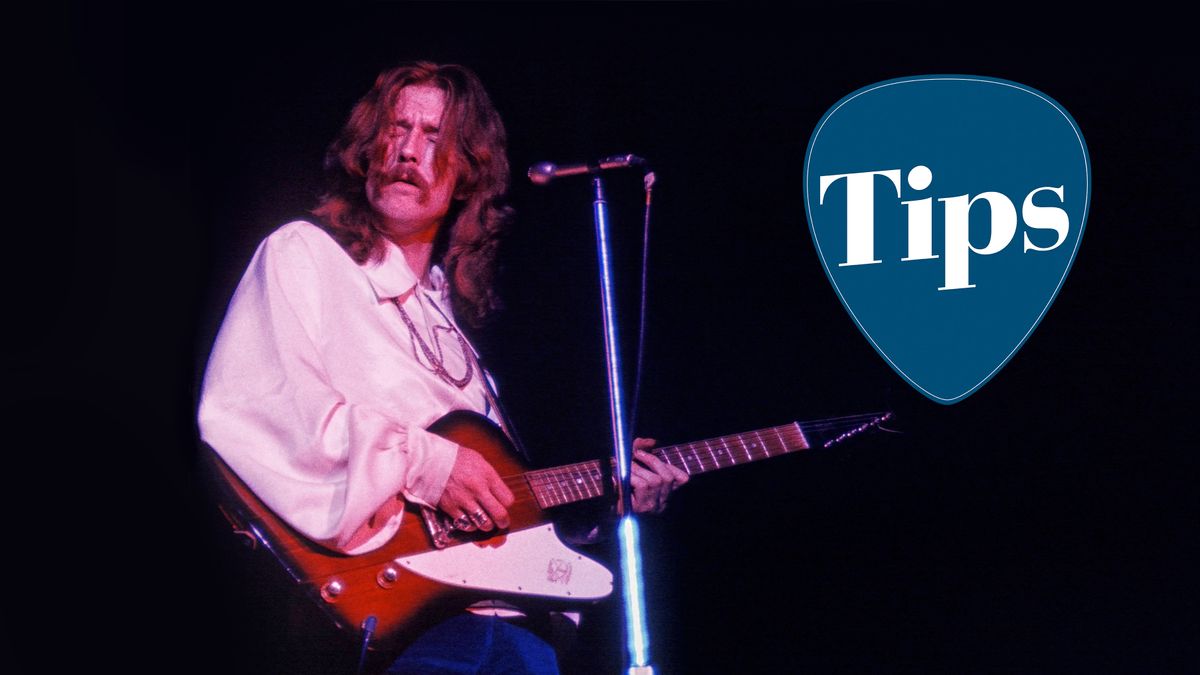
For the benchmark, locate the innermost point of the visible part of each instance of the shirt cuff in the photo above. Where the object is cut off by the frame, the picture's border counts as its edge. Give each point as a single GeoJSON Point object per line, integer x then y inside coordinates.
{"type": "Point", "coordinates": [430, 460]}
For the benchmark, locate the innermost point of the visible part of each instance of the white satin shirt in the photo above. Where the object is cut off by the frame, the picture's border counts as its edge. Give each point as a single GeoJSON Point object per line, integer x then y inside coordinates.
{"type": "Point", "coordinates": [318, 397]}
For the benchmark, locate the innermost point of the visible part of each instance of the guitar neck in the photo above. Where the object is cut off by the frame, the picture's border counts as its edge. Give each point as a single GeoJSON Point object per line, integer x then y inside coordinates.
{"type": "Point", "coordinates": [584, 480]}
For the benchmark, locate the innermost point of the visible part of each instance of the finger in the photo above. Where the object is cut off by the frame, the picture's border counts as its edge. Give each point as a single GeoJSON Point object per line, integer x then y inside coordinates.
{"type": "Point", "coordinates": [453, 503]}
{"type": "Point", "coordinates": [462, 522]}
{"type": "Point", "coordinates": [678, 475]}
{"type": "Point", "coordinates": [479, 517]}
{"type": "Point", "coordinates": [482, 519]}
{"type": "Point", "coordinates": [499, 490]}
{"type": "Point", "coordinates": [498, 515]}
{"type": "Point", "coordinates": [647, 458]}
{"type": "Point", "coordinates": [643, 494]}
{"type": "Point", "coordinates": [644, 443]}
{"type": "Point", "coordinates": [652, 493]}
{"type": "Point", "coordinates": [654, 464]}
{"type": "Point", "coordinates": [637, 482]}
{"type": "Point", "coordinates": [671, 473]}
{"type": "Point", "coordinates": [651, 478]}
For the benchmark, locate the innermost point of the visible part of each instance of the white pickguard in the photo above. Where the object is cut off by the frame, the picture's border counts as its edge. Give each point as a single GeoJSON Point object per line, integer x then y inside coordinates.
{"type": "Point", "coordinates": [529, 562]}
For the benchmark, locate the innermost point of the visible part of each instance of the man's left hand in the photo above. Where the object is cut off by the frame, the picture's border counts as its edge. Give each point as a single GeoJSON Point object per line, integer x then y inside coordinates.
{"type": "Point", "coordinates": [653, 480]}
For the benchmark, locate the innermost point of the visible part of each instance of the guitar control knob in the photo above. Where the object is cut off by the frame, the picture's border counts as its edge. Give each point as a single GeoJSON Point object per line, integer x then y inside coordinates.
{"type": "Point", "coordinates": [332, 589]}
{"type": "Point", "coordinates": [387, 576]}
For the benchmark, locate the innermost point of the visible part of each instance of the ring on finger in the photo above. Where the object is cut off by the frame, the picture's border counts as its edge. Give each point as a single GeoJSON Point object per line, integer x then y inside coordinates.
{"type": "Point", "coordinates": [479, 517]}
{"type": "Point", "coordinates": [463, 522]}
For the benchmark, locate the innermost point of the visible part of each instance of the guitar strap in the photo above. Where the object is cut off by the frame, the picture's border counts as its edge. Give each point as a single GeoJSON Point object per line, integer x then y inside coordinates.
{"type": "Point", "coordinates": [489, 394]}
{"type": "Point", "coordinates": [493, 402]}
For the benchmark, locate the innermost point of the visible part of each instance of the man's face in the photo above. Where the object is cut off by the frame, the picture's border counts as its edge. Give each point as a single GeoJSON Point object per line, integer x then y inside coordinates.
{"type": "Point", "coordinates": [402, 185]}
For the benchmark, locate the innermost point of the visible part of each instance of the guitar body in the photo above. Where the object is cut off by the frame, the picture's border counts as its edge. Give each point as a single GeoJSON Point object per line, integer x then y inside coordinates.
{"type": "Point", "coordinates": [429, 570]}
{"type": "Point", "coordinates": [410, 583]}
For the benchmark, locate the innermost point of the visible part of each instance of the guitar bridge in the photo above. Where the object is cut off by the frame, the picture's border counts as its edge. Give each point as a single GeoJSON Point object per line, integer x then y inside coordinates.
{"type": "Point", "coordinates": [437, 525]}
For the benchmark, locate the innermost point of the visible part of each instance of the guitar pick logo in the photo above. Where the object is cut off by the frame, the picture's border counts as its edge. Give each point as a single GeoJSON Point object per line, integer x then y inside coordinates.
{"type": "Point", "coordinates": [947, 211]}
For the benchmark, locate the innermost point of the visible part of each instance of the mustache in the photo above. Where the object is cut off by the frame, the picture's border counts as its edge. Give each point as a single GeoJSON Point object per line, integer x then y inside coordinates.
{"type": "Point", "coordinates": [408, 174]}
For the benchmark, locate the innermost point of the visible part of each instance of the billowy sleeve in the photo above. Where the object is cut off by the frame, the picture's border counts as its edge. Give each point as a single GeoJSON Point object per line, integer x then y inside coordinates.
{"type": "Point", "coordinates": [335, 469]}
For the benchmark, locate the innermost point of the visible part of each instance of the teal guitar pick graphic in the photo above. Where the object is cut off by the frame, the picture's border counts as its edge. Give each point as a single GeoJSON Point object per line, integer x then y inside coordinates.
{"type": "Point", "coordinates": [947, 211]}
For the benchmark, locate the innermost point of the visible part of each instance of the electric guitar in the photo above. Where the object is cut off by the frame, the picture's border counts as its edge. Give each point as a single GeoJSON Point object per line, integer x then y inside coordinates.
{"type": "Point", "coordinates": [430, 568]}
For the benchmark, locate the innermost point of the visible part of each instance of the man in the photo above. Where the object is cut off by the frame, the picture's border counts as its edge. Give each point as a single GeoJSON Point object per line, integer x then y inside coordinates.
{"type": "Point", "coordinates": [340, 346]}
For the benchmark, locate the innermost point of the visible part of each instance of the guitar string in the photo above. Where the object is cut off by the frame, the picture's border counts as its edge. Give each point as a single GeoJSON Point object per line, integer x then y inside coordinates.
{"type": "Point", "coordinates": [579, 481]}
{"type": "Point", "coordinates": [558, 491]}
{"type": "Point", "coordinates": [785, 434]}
{"type": "Point", "coordinates": [792, 435]}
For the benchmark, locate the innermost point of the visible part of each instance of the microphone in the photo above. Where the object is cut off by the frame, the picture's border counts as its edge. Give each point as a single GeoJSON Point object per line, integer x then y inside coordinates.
{"type": "Point", "coordinates": [544, 172]}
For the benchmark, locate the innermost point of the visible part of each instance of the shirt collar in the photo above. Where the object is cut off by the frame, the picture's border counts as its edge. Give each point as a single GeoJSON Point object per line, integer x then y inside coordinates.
{"type": "Point", "coordinates": [391, 277]}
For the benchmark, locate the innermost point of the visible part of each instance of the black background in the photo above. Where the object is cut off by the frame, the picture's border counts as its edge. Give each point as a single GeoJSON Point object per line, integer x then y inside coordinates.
{"type": "Point", "coordinates": [1045, 524]}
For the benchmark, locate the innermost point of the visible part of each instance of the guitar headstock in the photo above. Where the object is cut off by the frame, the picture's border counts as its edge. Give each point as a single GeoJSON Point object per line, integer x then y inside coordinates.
{"type": "Point", "coordinates": [831, 432]}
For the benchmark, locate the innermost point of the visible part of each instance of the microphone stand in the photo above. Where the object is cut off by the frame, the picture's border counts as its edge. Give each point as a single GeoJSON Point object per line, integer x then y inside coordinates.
{"type": "Point", "coordinates": [636, 634]}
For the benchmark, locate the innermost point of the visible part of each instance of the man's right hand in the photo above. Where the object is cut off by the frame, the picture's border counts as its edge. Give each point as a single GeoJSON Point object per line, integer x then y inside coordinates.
{"type": "Point", "coordinates": [475, 493]}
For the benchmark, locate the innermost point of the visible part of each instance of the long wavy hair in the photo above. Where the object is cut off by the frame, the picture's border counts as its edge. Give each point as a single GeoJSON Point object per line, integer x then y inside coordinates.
{"type": "Point", "coordinates": [472, 145]}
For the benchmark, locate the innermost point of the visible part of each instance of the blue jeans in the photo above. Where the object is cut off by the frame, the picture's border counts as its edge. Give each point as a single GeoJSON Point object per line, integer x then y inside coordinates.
{"type": "Point", "coordinates": [476, 644]}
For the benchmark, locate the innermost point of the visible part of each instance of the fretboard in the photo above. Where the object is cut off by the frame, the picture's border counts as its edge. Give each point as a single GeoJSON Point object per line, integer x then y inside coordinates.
{"type": "Point", "coordinates": [584, 480]}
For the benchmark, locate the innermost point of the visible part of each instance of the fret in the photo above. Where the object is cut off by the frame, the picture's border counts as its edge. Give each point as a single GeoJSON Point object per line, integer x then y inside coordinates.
{"type": "Point", "coordinates": [571, 483]}
{"type": "Point", "coordinates": [745, 448]}
{"type": "Point", "coordinates": [783, 446]}
{"type": "Point", "coordinates": [698, 457]}
{"type": "Point", "coordinates": [533, 489]}
{"type": "Point", "coordinates": [678, 460]}
{"type": "Point", "coordinates": [531, 479]}
{"type": "Point", "coordinates": [555, 487]}
{"type": "Point", "coordinates": [595, 486]}
{"type": "Point", "coordinates": [545, 488]}
{"type": "Point", "coordinates": [683, 459]}
{"type": "Point", "coordinates": [800, 432]}
{"type": "Point", "coordinates": [725, 449]}
{"type": "Point", "coordinates": [716, 462]}
{"type": "Point", "coordinates": [723, 452]}
{"type": "Point", "coordinates": [760, 443]}
{"type": "Point", "coordinates": [566, 482]}
{"type": "Point", "coordinates": [577, 487]}
{"type": "Point", "coordinates": [691, 448]}
{"type": "Point", "coordinates": [562, 482]}
{"type": "Point", "coordinates": [577, 478]}
{"type": "Point", "coordinates": [581, 484]}
{"type": "Point", "coordinates": [580, 478]}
